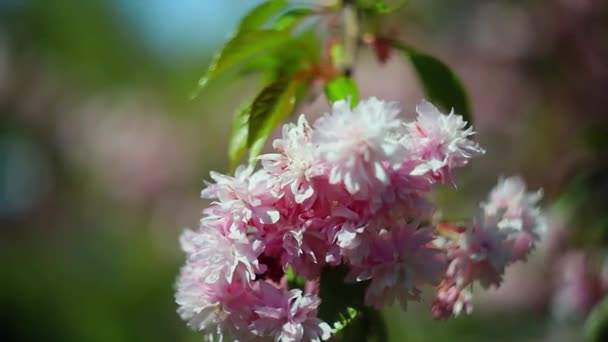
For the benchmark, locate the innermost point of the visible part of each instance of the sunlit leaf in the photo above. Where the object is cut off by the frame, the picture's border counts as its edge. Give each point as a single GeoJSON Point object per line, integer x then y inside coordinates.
{"type": "Point", "coordinates": [291, 18]}
{"type": "Point", "coordinates": [345, 319]}
{"type": "Point", "coordinates": [440, 83]}
{"type": "Point", "coordinates": [337, 54]}
{"type": "Point", "coordinates": [290, 58]}
{"type": "Point", "coordinates": [238, 136]}
{"type": "Point", "coordinates": [259, 15]}
{"type": "Point", "coordinates": [343, 308]}
{"type": "Point", "coordinates": [309, 44]}
{"type": "Point", "coordinates": [342, 88]}
{"type": "Point", "coordinates": [270, 107]}
{"type": "Point", "coordinates": [241, 49]}
{"type": "Point", "coordinates": [301, 52]}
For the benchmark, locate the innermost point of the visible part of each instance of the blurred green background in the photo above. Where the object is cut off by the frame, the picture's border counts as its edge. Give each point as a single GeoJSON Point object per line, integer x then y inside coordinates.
{"type": "Point", "coordinates": [103, 155]}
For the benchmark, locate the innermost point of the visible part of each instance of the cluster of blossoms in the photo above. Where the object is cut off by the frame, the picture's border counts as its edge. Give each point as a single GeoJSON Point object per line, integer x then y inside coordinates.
{"type": "Point", "coordinates": [505, 231]}
{"type": "Point", "coordinates": [351, 190]}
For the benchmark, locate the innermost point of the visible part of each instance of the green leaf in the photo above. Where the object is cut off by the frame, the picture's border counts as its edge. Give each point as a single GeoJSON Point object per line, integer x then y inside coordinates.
{"type": "Point", "coordinates": [238, 136]}
{"type": "Point", "coordinates": [345, 320]}
{"type": "Point", "coordinates": [291, 58]}
{"type": "Point", "coordinates": [383, 8]}
{"type": "Point", "coordinates": [342, 88]}
{"type": "Point", "coordinates": [291, 18]}
{"type": "Point", "coordinates": [294, 281]}
{"type": "Point", "coordinates": [309, 45]}
{"type": "Point", "coordinates": [259, 15]}
{"type": "Point", "coordinates": [242, 49]}
{"type": "Point", "coordinates": [342, 307]}
{"type": "Point", "coordinates": [380, 6]}
{"type": "Point", "coordinates": [337, 54]}
{"type": "Point", "coordinates": [368, 325]}
{"type": "Point", "coordinates": [270, 107]}
{"type": "Point", "coordinates": [440, 83]}
{"type": "Point", "coordinates": [337, 297]}
{"type": "Point", "coordinates": [596, 326]}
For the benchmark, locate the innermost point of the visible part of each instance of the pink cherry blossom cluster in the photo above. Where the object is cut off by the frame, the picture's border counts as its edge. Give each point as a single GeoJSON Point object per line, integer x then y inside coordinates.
{"type": "Point", "coordinates": [505, 231]}
{"type": "Point", "coordinates": [349, 190]}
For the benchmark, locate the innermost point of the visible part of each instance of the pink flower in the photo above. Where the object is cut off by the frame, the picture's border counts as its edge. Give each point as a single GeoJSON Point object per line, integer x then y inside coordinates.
{"type": "Point", "coordinates": [450, 300]}
{"type": "Point", "coordinates": [482, 254]}
{"type": "Point", "coordinates": [218, 308]}
{"type": "Point", "coordinates": [355, 145]}
{"type": "Point", "coordinates": [218, 258]}
{"type": "Point", "coordinates": [440, 142]}
{"type": "Point", "coordinates": [288, 316]}
{"type": "Point", "coordinates": [230, 218]}
{"type": "Point", "coordinates": [345, 229]}
{"type": "Point", "coordinates": [249, 196]}
{"type": "Point", "coordinates": [305, 249]}
{"type": "Point", "coordinates": [399, 261]}
{"type": "Point", "coordinates": [521, 245]}
{"type": "Point", "coordinates": [352, 192]}
{"type": "Point", "coordinates": [294, 166]}
{"type": "Point", "coordinates": [515, 208]}
{"type": "Point", "coordinates": [403, 200]}
{"type": "Point", "coordinates": [228, 188]}
{"type": "Point", "coordinates": [514, 211]}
